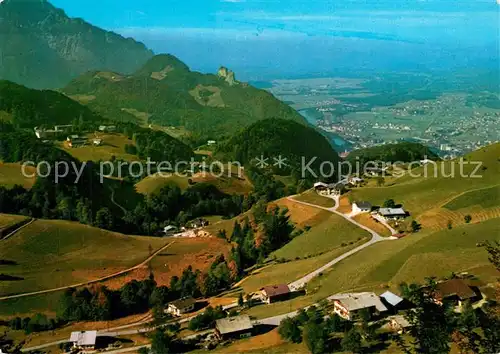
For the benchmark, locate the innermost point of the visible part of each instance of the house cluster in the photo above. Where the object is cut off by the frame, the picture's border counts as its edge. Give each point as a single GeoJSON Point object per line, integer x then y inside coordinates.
{"type": "Point", "coordinates": [352, 306]}
{"type": "Point", "coordinates": [198, 223]}
{"type": "Point", "coordinates": [387, 214]}
{"type": "Point", "coordinates": [333, 189]}
{"type": "Point", "coordinates": [42, 133]}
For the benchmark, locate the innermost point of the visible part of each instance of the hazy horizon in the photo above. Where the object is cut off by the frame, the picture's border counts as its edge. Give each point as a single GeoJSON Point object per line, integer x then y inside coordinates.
{"type": "Point", "coordinates": [261, 40]}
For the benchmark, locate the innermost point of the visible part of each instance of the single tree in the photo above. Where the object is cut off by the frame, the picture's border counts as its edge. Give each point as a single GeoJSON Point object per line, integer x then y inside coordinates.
{"type": "Point", "coordinates": [290, 331]}
{"type": "Point", "coordinates": [450, 225]}
{"type": "Point", "coordinates": [415, 226]}
{"type": "Point", "coordinates": [467, 218]}
{"type": "Point", "coordinates": [161, 342]}
{"type": "Point", "coordinates": [240, 300]}
{"type": "Point", "coordinates": [315, 337]}
{"type": "Point", "coordinates": [352, 341]}
{"type": "Point", "coordinates": [389, 203]}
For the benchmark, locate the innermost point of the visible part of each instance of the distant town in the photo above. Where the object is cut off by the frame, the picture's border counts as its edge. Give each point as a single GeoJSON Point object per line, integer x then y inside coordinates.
{"type": "Point", "coordinates": [452, 123]}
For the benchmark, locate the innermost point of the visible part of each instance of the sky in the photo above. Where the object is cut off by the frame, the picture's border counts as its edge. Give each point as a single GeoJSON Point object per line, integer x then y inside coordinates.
{"type": "Point", "coordinates": [262, 38]}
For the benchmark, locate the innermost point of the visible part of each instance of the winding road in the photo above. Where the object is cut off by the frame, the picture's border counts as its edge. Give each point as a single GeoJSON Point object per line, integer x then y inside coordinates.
{"type": "Point", "coordinates": [274, 320]}
{"type": "Point", "coordinates": [300, 283]}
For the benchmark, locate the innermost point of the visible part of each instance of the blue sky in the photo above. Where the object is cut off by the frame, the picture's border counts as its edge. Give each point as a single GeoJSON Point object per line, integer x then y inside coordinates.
{"type": "Point", "coordinates": [253, 35]}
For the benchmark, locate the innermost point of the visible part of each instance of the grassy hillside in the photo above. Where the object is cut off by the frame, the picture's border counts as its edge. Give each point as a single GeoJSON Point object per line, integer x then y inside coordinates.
{"type": "Point", "coordinates": [401, 152]}
{"type": "Point", "coordinates": [51, 254]}
{"type": "Point", "coordinates": [272, 138]}
{"type": "Point", "coordinates": [30, 108]}
{"type": "Point", "coordinates": [229, 185]}
{"type": "Point", "coordinates": [112, 145]}
{"type": "Point", "coordinates": [165, 92]}
{"type": "Point", "coordinates": [420, 194]}
{"type": "Point", "coordinates": [11, 175]}
{"type": "Point", "coordinates": [8, 220]}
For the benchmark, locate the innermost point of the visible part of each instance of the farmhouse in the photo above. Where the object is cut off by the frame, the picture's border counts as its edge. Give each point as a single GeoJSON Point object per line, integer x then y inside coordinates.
{"type": "Point", "coordinates": [348, 306]}
{"type": "Point", "coordinates": [455, 291]}
{"type": "Point", "coordinates": [233, 327]}
{"type": "Point", "coordinates": [329, 188]}
{"type": "Point", "coordinates": [392, 213]}
{"type": "Point", "coordinates": [84, 340]}
{"type": "Point", "coordinates": [181, 306]}
{"type": "Point", "coordinates": [361, 207]}
{"type": "Point", "coordinates": [274, 293]}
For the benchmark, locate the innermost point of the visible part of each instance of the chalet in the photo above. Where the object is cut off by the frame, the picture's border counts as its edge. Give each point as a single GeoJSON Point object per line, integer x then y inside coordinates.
{"type": "Point", "coordinates": [274, 293]}
{"type": "Point", "coordinates": [399, 324]}
{"type": "Point", "coordinates": [170, 229]}
{"type": "Point", "coordinates": [233, 327]}
{"type": "Point", "coordinates": [361, 207]}
{"type": "Point", "coordinates": [84, 340]}
{"type": "Point", "coordinates": [349, 306]}
{"type": "Point", "coordinates": [392, 213]}
{"type": "Point", "coordinates": [181, 306]}
{"type": "Point", "coordinates": [455, 291]}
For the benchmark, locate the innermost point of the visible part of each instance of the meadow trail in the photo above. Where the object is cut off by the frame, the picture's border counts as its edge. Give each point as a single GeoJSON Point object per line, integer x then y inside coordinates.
{"type": "Point", "coordinates": [107, 277]}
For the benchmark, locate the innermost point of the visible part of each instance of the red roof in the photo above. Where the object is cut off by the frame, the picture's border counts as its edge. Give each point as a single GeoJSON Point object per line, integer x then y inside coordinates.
{"type": "Point", "coordinates": [454, 287]}
{"type": "Point", "coordinates": [276, 290]}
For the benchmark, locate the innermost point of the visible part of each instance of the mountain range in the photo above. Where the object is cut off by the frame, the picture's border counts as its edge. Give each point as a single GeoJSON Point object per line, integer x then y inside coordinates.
{"type": "Point", "coordinates": [165, 92]}
{"type": "Point", "coordinates": [41, 47]}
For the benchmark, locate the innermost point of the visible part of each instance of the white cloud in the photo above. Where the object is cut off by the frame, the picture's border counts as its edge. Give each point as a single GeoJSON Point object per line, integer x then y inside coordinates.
{"type": "Point", "coordinates": [237, 1]}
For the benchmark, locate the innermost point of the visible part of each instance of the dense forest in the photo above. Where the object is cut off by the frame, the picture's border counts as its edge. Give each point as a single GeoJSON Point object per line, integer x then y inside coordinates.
{"type": "Point", "coordinates": [272, 138]}
{"type": "Point", "coordinates": [401, 152]}
{"type": "Point", "coordinates": [30, 108]}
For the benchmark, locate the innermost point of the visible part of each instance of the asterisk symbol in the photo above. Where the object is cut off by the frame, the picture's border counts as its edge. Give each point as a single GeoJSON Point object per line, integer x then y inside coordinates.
{"type": "Point", "coordinates": [262, 161]}
{"type": "Point", "coordinates": [280, 161]}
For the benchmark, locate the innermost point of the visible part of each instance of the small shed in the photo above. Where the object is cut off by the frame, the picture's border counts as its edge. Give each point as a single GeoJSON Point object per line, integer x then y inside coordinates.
{"type": "Point", "coordinates": [234, 327]}
{"type": "Point", "coordinates": [399, 324]}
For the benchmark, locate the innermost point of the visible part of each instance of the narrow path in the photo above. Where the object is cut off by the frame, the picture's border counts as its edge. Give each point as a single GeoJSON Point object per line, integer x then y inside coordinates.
{"type": "Point", "coordinates": [300, 283]}
{"type": "Point", "coordinates": [114, 202]}
{"type": "Point", "coordinates": [107, 277]}
{"type": "Point", "coordinates": [18, 229]}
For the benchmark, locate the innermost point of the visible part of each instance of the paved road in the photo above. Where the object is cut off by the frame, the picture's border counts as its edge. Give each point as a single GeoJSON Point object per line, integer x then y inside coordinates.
{"type": "Point", "coordinates": [107, 277]}
{"type": "Point", "coordinates": [275, 320]}
{"type": "Point", "coordinates": [300, 283]}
